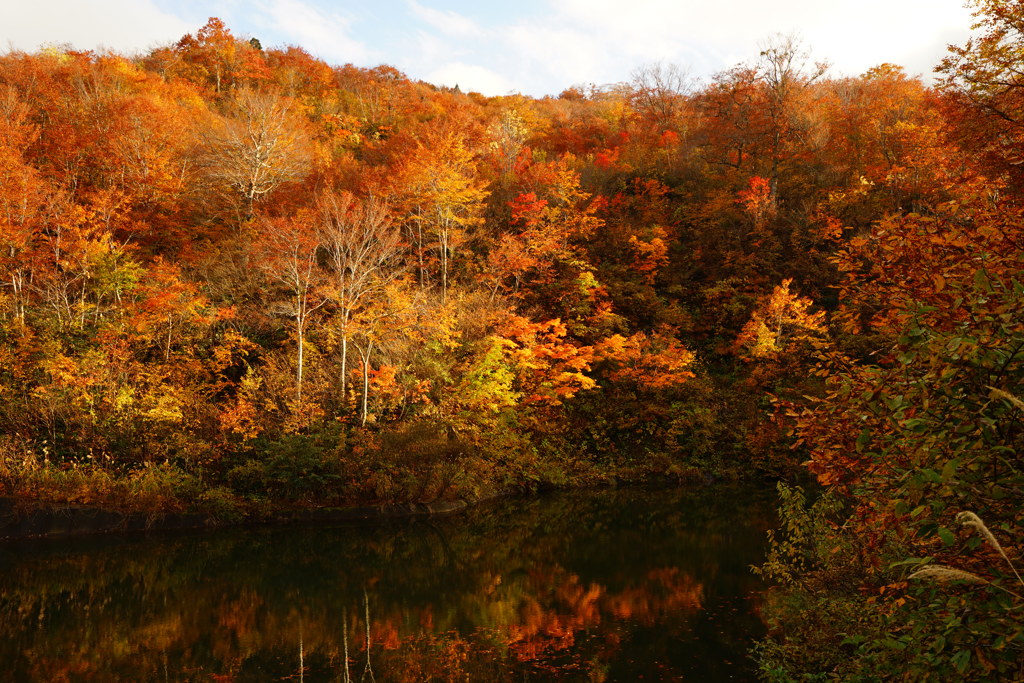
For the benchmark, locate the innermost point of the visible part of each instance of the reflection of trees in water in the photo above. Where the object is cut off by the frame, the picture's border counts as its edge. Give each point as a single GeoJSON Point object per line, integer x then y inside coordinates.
{"type": "Point", "coordinates": [520, 591]}
{"type": "Point", "coordinates": [559, 608]}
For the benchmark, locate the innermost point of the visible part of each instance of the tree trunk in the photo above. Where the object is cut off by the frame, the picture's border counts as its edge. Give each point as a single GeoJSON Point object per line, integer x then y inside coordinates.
{"type": "Point", "coordinates": [364, 408]}
{"type": "Point", "coordinates": [298, 378]}
{"type": "Point", "coordinates": [344, 365]}
{"type": "Point", "coordinates": [444, 266]}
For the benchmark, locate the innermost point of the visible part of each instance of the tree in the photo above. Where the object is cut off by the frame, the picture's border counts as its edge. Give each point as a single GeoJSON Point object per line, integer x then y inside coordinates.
{"type": "Point", "coordinates": [363, 249]}
{"type": "Point", "coordinates": [782, 320]}
{"type": "Point", "coordinates": [509, 134]}
{"type": "Point", "coordinates": [261, 144]}
{"type": "Point", "coordinates": [548, 226]}
{"type": "Point", "coordinates": [22, 203]}
{"type": "Point", "coordinates": [887, 143]}
{"type": "Point", "coordinates": [986, 82]}
{"type": "Point", "coordinates": [550, 368]}
{"type": "Point", "coordinates": [646, 362]}
{"type": "Point", "coordinates": [659, 92]}
{"type": "Point", "coordinates": [786, 76]}
{"type": "Point", "coordinates": [922, 431]}
{"type": "Point", "coordinates": [732, 112]}
{"type": "Point", "coordinates": [443, 198]}
{"type": "Point", "coordinates": [287, 251]}
{"type": "Point", "coordinates": [214, 57]}
{"type": "Point", "coordinates": [168, 305]}
{"type": "Point", "coordinates": [380, 320]}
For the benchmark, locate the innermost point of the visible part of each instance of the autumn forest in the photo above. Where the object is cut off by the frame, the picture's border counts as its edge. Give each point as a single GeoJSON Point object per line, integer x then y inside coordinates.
{"type": "Point", "coordinates": [236, 280]}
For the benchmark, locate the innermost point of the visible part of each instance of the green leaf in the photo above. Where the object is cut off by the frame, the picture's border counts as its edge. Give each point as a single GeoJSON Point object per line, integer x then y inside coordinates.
{"type": "Point", "coordinates": [912, 561]}
{"type": "Point", "coordinates": [981, 282]}
{"type": "Point", "coordinates": [949, 470]}
{"type": "Point", "coordinates": [961, 659]}
{"type": "Point", "coordinates": [915, 424]}
{"type": "Point", "coordinates": [946, 535]}
{"type": "Point", "coordinates": [893, 644]}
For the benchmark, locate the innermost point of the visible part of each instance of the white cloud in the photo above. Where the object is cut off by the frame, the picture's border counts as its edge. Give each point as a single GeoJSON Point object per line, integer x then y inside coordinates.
{"type": "Point", "coordinates": [854, 35]}
{"type": "Point", "coordinates": [543, 46]}
{"type": "Point", "coordinates": [324, 33]}
{"type": "Point", "coordinates": [551, 53]}
{"type": "Point", "coordinates": [912, 33]}
{"type": "Point", "coordinates": [121, 25]}
{"type": "Point", "coordinates": [432, 50]}
{"type": "Point", "coordinates": [471, 78]}
{"type": "Point", "coordinates": [449, 22]}
{"type": "Point", "coordinates": [601, 41]}
{"type": "Point", "coordinates": [135, 25]}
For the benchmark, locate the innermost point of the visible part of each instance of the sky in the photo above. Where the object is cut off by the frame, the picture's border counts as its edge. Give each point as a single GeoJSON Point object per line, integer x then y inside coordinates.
{"type": "Point", "coordinates": [534, 47]}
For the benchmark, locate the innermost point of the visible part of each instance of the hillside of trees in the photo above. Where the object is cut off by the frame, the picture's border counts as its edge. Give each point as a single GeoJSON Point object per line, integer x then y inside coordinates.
{"type": "Point", "coordinates": [242, 273]}
{"type": "Point", "coordinates": [235, 279]}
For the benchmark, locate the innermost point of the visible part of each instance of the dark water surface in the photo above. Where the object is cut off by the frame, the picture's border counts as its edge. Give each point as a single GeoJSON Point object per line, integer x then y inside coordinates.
{"type": "Point", "coordinates": [620, 585]}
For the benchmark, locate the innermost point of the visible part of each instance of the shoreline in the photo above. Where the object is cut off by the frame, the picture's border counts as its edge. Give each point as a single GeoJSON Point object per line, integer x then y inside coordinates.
{"type": "Point", "coordinates": [72, 521]}
{"type": "Point", "coordinates": [21, 519]}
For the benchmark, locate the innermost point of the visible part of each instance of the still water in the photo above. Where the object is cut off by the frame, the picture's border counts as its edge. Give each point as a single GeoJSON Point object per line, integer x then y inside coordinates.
{"type": "Point", "coordinates": [619, 585]}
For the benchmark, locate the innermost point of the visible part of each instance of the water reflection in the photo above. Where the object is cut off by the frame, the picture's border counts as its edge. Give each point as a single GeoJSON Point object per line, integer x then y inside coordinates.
{"type": "Point", "coordinates": [600, 586]}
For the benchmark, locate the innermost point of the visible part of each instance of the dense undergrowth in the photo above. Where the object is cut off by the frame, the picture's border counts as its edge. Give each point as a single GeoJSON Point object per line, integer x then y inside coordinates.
{"type": "Point", "coordinates": [238, 280]}
{"type": "Point", "coordinates": [907, 567]}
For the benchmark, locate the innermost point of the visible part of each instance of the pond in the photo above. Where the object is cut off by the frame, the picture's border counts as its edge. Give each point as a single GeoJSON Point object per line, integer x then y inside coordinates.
{"type": "Point", "coordinates": [616, 585]}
